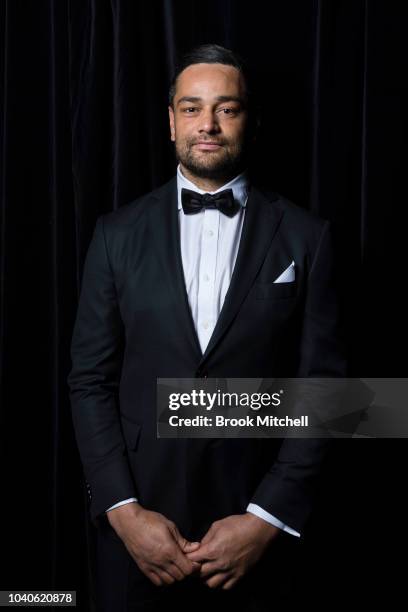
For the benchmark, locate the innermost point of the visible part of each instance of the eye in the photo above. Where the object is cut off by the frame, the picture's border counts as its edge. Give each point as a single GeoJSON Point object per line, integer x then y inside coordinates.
{"type": "Point", "coordinates": [189, 109]}
{"type": "Point", "coordinates": [228, 111]}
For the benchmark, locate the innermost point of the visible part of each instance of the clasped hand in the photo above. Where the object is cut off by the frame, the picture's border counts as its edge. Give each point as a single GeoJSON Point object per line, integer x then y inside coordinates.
{"type": "Point", "coordinates": [228, 550]}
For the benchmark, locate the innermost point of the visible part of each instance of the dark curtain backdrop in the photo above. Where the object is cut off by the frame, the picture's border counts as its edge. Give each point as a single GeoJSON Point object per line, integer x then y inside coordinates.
{"type": "Point", "coordinates": [84, 130]}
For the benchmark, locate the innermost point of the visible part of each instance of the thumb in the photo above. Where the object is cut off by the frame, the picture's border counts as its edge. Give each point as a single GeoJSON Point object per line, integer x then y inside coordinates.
{"type": "Point", "coordinates": [183, 543]}
{"type": "Point", "coordinates": [190, 546]}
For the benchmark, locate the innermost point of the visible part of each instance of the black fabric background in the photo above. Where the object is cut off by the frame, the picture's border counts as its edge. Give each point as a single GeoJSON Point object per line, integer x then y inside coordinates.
{"type": "Point", "coordinates": [84, 130]}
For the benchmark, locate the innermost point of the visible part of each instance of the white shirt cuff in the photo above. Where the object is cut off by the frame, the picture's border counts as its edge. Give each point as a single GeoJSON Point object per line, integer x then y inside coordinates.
{"type": "Point", "coordinates": [122, 503]}
{"type": "Point", "coordinates": [269, 518]}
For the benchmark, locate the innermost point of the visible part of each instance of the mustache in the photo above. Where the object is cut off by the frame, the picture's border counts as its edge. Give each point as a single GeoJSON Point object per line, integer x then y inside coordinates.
{"type": "Point", "coordinates": [205, 140]}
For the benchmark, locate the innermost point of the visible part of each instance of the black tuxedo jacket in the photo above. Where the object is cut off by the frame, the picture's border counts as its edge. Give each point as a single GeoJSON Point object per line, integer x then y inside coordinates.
{"type": "Point", "coordinates": [134, 325]}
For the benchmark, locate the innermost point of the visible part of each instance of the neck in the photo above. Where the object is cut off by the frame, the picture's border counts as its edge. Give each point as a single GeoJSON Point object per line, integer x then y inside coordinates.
{"type": "Point", "coordinates": [204, 183]}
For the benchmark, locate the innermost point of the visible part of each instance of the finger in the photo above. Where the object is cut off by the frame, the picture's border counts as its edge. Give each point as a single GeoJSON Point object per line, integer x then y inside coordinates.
{"type": "Point", "coordinates": [208, 569]}
{"type": "Point", "coordinates": [184, 544]}
{"type": "Point", "coordinates": [166, 577]}
{"type": "Point", "coordinates": [229, 583]}
{"type": "Point", "coordinates": [175, 563]}
{"type": "Point", "coordinates": [185, 565]}
{"type": "Point", "coordinates": [201, 554]}
{"type": "Point", "coordinates": [153, 577]}
{"type": "Point", "coordinates": [189, 546]}
{"type": "Point", "coordinates": [178, 558]}
{"type": "Point", "coordinates": [177, 555]}
{"type": "Point", "coordinates": [217, 580]}
{"type": "Point", "coordinates": [175, 571]}
{"type": "Point", "coordinates": [181, 541]}
{"type": "Point", "coordinates": [196, 566]}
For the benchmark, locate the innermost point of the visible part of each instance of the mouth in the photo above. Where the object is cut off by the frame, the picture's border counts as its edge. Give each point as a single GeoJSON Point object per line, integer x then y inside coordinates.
{"type": "Point", "coordinates": [207, 146]}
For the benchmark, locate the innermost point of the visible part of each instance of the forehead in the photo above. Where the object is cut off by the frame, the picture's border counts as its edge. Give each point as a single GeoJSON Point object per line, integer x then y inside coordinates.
{"type": "Point", "coordinates": [210, 80]}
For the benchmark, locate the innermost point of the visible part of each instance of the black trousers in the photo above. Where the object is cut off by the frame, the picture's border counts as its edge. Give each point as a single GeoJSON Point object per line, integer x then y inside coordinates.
{"type": "Point", "coordinates": [122, 587]}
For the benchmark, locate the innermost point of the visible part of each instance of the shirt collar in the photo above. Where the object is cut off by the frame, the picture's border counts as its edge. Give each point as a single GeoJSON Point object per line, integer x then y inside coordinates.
{"type": "Point", "coordinates": [239, 186]}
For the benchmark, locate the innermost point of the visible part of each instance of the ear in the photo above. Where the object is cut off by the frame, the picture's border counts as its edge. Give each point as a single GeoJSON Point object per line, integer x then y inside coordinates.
{"type": "Point", "coordinates": [172, 126]}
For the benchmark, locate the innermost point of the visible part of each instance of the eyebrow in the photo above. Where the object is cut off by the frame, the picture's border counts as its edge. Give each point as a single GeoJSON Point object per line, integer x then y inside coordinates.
{"type": "Point", "coordinates": [218, 99]}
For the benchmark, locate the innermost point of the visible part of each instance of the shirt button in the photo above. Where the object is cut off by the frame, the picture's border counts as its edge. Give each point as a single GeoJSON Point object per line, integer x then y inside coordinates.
{"type": "Point", "coordinates": [205, 324]}
{"type": "Point", "coordinates": [206, 277]}
{"type": "Point", "coordinates": [210, 233]}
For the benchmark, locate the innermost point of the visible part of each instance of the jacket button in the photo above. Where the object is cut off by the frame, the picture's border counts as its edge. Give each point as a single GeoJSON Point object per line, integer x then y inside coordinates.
{"type": "Point", "coordinates": [201, 373]}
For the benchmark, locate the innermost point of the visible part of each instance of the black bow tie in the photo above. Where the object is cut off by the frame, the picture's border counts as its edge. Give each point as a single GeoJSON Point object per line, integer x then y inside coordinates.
{"type": "Point", "coordinates": [193, 202]}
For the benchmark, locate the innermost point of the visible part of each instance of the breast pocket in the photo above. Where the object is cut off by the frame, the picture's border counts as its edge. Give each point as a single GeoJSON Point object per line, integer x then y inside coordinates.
{"type": "Point", "coordinates": [274, 291]}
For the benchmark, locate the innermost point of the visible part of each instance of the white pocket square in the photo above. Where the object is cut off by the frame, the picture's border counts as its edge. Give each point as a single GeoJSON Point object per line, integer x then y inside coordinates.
{"type": "Point", "coordinates": [288, 275]}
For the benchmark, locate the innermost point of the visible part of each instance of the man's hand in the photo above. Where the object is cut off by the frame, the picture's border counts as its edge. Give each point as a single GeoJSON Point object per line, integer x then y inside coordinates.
{"type": "Point", "coordinates": [231, 547]}
{"type": "Point", "coordinates": [154, 542]}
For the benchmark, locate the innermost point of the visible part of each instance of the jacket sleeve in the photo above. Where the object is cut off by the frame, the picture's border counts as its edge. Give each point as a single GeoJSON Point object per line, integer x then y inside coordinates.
{"type": "Point", "coordinates": [97, 353]}
{"type": "Point", "coordinates": [287, 489]}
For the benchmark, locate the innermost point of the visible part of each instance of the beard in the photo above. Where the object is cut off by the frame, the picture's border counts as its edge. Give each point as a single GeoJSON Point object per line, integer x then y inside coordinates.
{"type": "Point", "coordinates": [222, 163]}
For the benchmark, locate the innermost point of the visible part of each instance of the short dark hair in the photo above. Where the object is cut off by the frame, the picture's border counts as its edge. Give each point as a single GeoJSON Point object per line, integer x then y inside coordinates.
{"type": "Point", "coordinates": [213, 54]}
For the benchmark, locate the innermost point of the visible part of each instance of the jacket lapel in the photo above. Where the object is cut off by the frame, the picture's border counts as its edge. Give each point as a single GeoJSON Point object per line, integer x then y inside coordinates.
{"type": "Point", "coordinates": [262, 218]}
{"type": "Point", "coordinates": [164, 228]}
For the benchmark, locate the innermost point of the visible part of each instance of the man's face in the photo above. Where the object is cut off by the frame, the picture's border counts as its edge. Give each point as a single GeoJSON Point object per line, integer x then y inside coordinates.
{"type": "Point", "coordinates": [208, 121]}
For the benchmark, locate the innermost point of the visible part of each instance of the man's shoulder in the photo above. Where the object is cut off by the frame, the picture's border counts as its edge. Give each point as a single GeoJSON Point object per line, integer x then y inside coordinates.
{"type": "Point", "coordinates": [294, 217]}
{"type": "Point", "coordinates": [134, 212]}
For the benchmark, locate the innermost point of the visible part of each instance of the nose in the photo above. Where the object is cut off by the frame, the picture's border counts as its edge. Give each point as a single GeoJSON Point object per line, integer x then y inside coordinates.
{"type": "Point", "coordinates": [208, 122]}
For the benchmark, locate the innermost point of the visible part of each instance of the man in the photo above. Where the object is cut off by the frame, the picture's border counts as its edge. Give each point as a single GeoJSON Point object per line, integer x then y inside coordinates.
{"type": "Point", "coordinates": [179, 285]}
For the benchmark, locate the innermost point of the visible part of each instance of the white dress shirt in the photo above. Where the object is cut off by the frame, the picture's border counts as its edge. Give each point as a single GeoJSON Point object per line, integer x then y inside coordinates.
{"type": "Point", "coordinates": [209, 246]}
